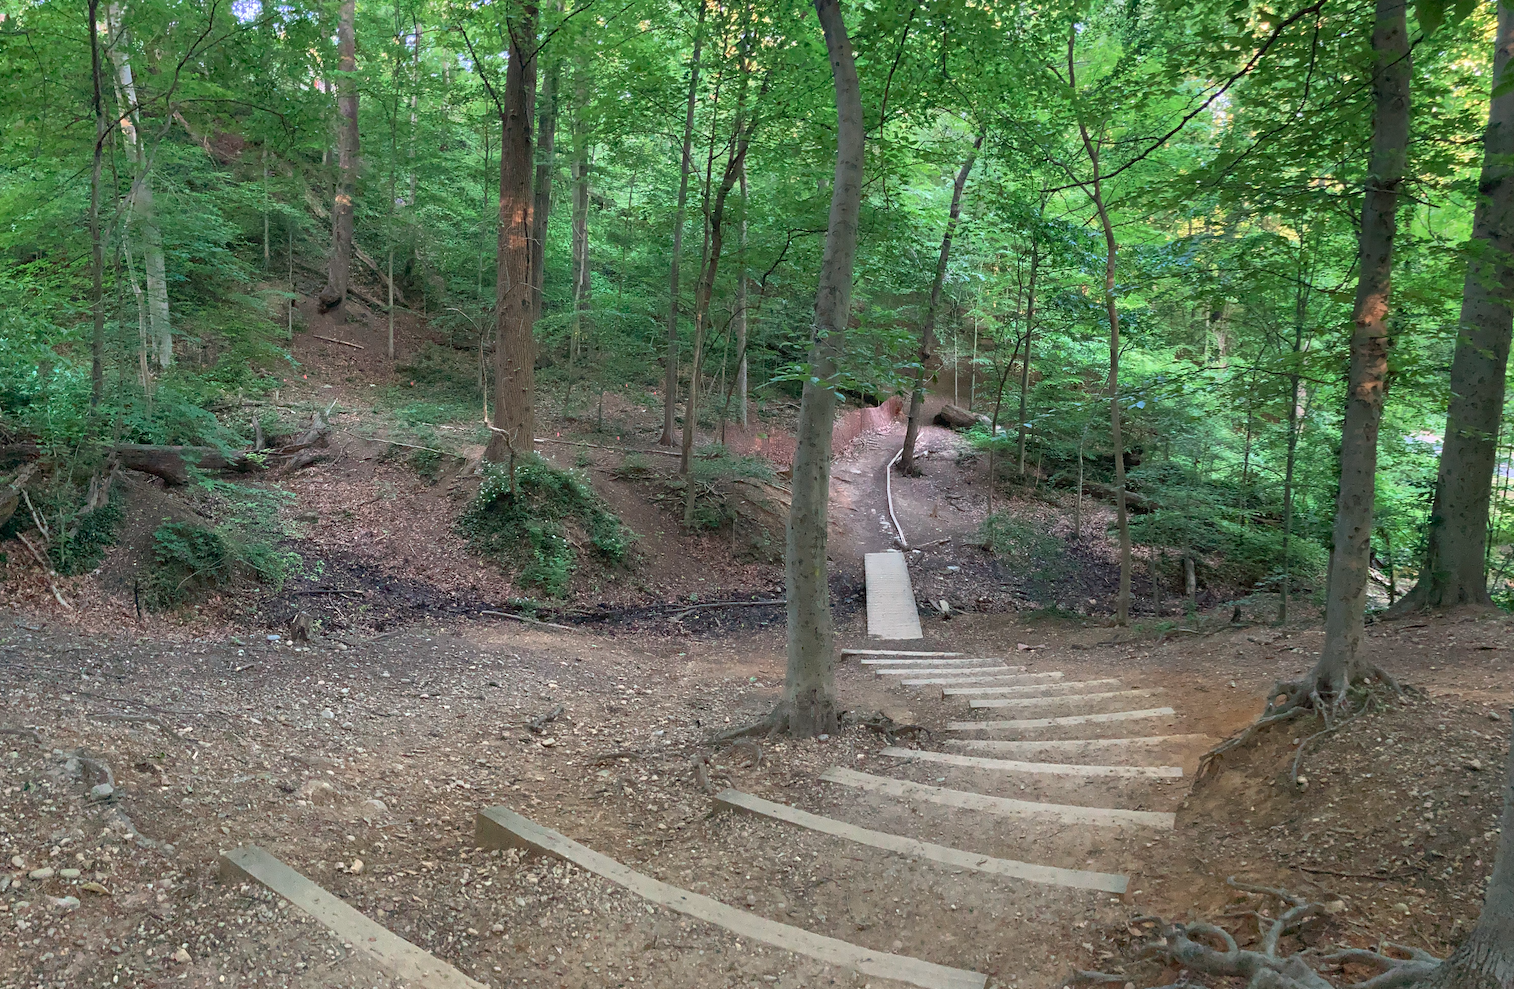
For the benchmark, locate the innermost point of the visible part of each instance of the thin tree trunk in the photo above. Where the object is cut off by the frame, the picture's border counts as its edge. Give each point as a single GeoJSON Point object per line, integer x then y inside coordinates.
{"type": "Point", "coordinates": [670, 377]}
{"type": "Point", "coordinates": [1096, 193]}
{"type": "Point", "coordinates": [333, 296]}
{"type": "Point", "coordinates": [1030, 329]}
{"type": "Point", "coordinates": [809, 690]}
{"type": "Point", "coordinates": [1455, 566]}
{"type": "Point", "coordinates": [743, 128]}
{"type": "Point", "coordinates": [1346, 603]}
{"type": "Point", "coordinates": [928, 327]}
{"type": "Point", "coordinates": [514, 344]}
{"type": "Point", "coordinates": [1300, 315]}
{"type": "Point", "coordinates": [741, 306]}
{"type": "Point", "coordinates": [580, 249]}
{"type": "Point", "coordinates": [154, 272]}
{"type": "Point", "coordinates": [546, 164]}
{"type": "Point", "coordinates": [97, 246]}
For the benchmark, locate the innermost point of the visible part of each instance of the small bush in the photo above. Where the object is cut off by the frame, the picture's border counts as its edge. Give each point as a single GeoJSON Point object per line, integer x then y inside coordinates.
{"type": "Point", "coordinates": [716, 463]}
{"type": "Point", "coordinates": [427, 464]}
{"type": "Point", "coordinates": [529, 529]}
{"type": "Point", "coordinates": [82, 544]}
{"type": "Point", "coordinates": [191, 561]}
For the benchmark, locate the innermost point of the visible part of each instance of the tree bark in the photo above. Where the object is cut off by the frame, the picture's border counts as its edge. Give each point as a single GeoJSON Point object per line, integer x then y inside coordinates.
{"type": "Point", "coordinates": [1485, 960]}
{"type": "Point", "coordinates": [514, 344]}
{"type": "Point", "coordinates": [1030, 330]}
{"type": "Point", "coordinates": [97, 246]}
{"type": "Point", "coordinates": [1095, 191]}
{"type": "Point", "coordinates": [740, 386]}
{"type": "Point", "coordinates": [1455, 565]}
{"type": "Point", "coordinates": [809, 691]}
{"type": "Point", "coordinates": [928, 327]}
{"type": "Point", "coordinates": [670, 376]}
{"type": "Point", "coordinates": [581, 285]}
{"type": "Point", "coordinates": [141, 193]}
{"type": "Point", "coordinates": [1346, 603]}
{"type": "Point", "coordinates": [333, 296]}
{"type": "Point", "coordinates": [1300, 314]}
{"type": "Point", "coordinates": [546, 165]}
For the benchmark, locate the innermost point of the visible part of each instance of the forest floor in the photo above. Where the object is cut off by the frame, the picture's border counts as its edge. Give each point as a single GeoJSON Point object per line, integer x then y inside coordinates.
{"type": "Point", "coordinates": [361, 758]}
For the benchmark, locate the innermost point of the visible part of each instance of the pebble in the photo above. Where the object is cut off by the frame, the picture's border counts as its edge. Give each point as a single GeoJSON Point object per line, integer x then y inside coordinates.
{"type": "Point", "coordinates": [181, 956]}
{"type": "Point", "coordinates": [103, 792]}
{"type": "Point", "coordinates": [69, 873]}
{"type": "Point", "coordinates": [66, 903]}
{"type": "Point", "coordinates": [1494, 716]}
{"type": "Point", "coordinates": [328, 715]}
{"type": "Point", "coordinates": [42, 873]}
{"type": "Point", "coordinates": [17, 862]}
{"type": "Point", "coordinates": [356, 868]}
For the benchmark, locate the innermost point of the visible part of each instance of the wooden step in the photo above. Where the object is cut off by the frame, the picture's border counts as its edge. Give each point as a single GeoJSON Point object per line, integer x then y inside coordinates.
{"type": "Point", "coordinates": [900, 652]}
{"type": "Point", "coordinates": [1069, 719]}
{"type": "Point", "coordinates": [1045, 690]}
{"type": "Point", "coordinates": [967, 800]}
{"type": "Point", "coordinates": [501, 827]}
{"type": "Point", "coordinates": [944, 671]}
{"type": "Point", "coordinates": [420, 968]}
{"type": "Point", "coordinates": [1050, 875]}
{"type": "Point", "coordinates": [1094, 748]}
{"type": "Point", "coordinates": [1002, 702]}
{"type": "Point", "coordinates": [1026, 678]}
{"type": "Point", "coordinates": [1015, 766]}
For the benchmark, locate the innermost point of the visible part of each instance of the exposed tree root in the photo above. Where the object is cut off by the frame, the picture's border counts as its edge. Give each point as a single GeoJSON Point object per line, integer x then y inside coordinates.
{"type": "Point", "coordinates": [1288, 700]}
{"type": "Point", "coordinates": [1207, 949]}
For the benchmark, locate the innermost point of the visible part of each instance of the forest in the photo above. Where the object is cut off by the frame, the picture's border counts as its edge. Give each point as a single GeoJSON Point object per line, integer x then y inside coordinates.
{"type": "Point", "coordinates": [1209, 302]}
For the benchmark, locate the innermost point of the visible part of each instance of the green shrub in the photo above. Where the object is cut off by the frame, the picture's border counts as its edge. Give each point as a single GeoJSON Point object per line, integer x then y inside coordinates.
{"type": "Point", "coordinates": [716, 463]}
{"type": "Point", "coordinates": [529, 529]}
{"type": "Point", "coordinates": [191, 561]}
{"type": "Point", "coordinates": [82, 544]}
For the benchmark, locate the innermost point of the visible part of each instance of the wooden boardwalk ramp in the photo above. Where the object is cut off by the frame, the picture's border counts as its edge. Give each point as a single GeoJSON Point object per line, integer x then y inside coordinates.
{"type": "Point", "coordinates": [891, 612]}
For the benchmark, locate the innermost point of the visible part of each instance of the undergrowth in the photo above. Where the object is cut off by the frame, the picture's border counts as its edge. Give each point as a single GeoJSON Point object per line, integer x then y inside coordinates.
{"type": "Point", "coordinates": [238, 547]}
{"type": "Point", "coordinates": [1034, 553]}
{"type": "Point", "coordinates": [530, 529]}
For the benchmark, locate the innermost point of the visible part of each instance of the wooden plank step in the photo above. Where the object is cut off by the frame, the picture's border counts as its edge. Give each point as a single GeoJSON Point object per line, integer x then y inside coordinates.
{"type": "Point", "coordinates": [1050, 875]}
{"type": "Point", "coordinates": [891, 612]}
{"type": "Point", "coordinates": [933, 661]}
{"type": "Point", "coordinates": [501, 827]}
{"type": "Point", "coordinates": [904, 672]}
{"type": "Point", "coordinates": [898, 652]}
{"type": "Point", "coordinates": [1069, 719]}
{"type": "Point", "coordinates": [1000, 702]}
{"type": "Point", "coordinates": [1049, 768]}
{"type": "Point", "coordinates": [1076, 747]}
{"type": "Point", "coordinates": [421, 968]}
{"type": "Point", "coordinates": [1028, 678]}
{"type": "Point", "coordinates": [967, 800]}
{"type": "Point", "coordinates": [1047, 690]}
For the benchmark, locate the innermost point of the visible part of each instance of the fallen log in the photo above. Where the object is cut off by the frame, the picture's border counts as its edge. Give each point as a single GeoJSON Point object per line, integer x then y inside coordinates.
{"type": "Point", "coordinates": [956, 417]}
{"type": "Point", "coordinates": [172, 463]}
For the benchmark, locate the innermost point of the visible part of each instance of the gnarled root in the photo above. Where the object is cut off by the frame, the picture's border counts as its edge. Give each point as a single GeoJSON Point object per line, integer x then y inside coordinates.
{"type": "Point", "coordinates": [1335, 704]}
{"type": "Point", "coordinates": [1208, 949]}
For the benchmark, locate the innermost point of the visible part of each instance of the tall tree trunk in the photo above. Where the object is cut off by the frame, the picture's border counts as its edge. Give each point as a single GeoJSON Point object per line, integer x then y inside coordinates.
{"type": "Point", "coordinates": [705, 291]}
{"type": "Point", "coordinates": [141, 193]}
{"type": "Point", "coordinates": [809, 691]}
{"type": "Point", "coordinates": [1030, 332]}
{"type": "Point", "coordinates": [670, 376]}
{"type": "Point", "coordinates": [333, 296]}
{"type": "Point", "coordinates": [580, 249]}
{"type": "Point", "coordinates": [97, 245]}
{"type": "Point", "coordinates": [740, 387]}
{"type": "Point", "coordinates": [1300, 316]}
{"type": "Point", "coordinates": [1095, 189]}
{"type": "Point", "coordinates": [1455, 566]}
{"type": "Point", "coordinates": [546, 164]}
{"type": "Point", "coordinates": [1346, 603]}
{"type": "Point", "coordinates": [514, 345]}
{"type": "Point", "coordinates": [928, 327]}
